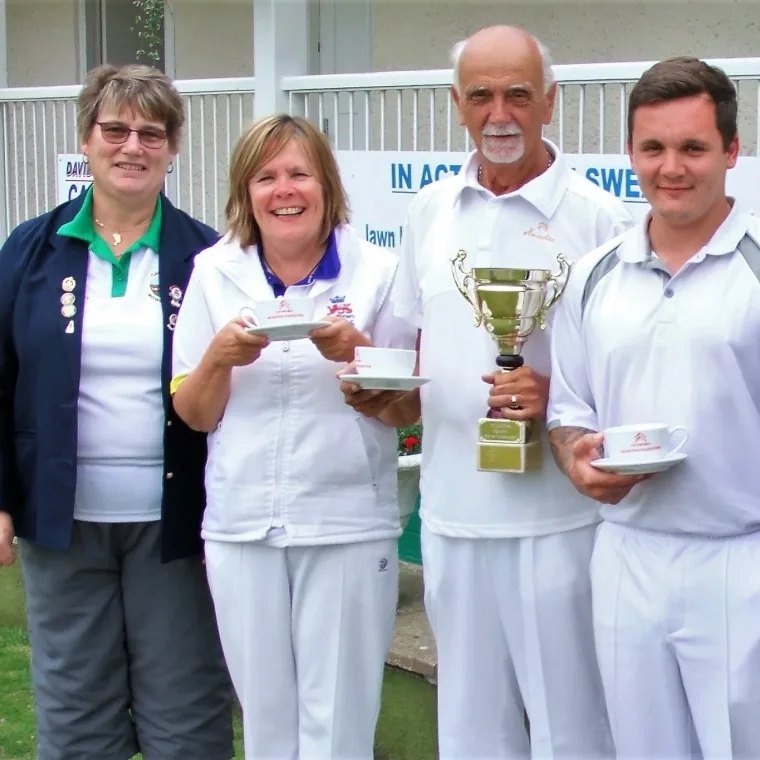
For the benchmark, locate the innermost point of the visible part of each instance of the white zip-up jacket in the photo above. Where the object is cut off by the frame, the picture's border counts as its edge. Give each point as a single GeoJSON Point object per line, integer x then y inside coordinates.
{"type": "Point", "coordinates": [289, 452]}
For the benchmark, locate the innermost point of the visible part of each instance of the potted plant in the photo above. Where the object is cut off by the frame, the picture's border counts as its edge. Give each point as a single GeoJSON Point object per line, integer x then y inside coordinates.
{"type": "Point", "coordinates": [409, 456]}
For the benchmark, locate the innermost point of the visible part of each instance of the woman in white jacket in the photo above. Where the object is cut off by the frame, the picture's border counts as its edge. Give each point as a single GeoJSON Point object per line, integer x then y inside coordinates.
{"type": "Point", "coordinates": [301, 520]}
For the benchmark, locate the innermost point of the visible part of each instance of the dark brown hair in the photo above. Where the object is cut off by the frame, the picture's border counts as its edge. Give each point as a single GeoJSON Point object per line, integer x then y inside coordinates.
{"type": "Point", "coordinates": [684, 77]}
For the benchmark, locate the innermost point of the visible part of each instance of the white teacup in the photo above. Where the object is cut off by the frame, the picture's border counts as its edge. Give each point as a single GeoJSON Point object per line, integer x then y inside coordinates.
{"type": "Point", "coordinates": [384, 362]}
{"type": "Point", "coordinates": [643, 443]}
{"type": "Point", "coordinates": [278, 311]}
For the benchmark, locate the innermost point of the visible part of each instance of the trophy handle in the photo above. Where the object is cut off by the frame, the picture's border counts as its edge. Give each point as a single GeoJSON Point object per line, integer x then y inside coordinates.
{"type": "Point", "coordinates": [465, 284]}
{"type": "Point", "coordinates": [558, 281]}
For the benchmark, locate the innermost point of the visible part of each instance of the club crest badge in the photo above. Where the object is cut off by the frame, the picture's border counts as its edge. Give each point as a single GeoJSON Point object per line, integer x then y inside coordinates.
{"type": "Point", "coordinates": [175, 294]}
{"type": "Point", "coordinates": [153, 287]}
{"type": "Point", "coordinates": [340, 308]}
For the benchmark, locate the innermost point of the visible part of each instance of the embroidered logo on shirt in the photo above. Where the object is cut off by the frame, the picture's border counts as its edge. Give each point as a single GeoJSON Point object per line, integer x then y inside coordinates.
{"type": "Point", "coordinates": [339, 308]}
{"type": "Point", "coordinates": [541, 232]}
{"type": "Point", "coordinates": [382, 565]}
{"type": "Point", "coordinates": [153, 290]}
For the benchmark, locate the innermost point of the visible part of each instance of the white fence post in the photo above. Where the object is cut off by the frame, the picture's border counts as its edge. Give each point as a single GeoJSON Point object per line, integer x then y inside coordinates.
{"type": "Point", "coordinates": [280, 48]}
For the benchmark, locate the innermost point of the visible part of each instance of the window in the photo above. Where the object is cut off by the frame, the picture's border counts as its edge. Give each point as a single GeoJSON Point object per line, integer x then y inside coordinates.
{"type": "Point", "coordinates": [110, 33]}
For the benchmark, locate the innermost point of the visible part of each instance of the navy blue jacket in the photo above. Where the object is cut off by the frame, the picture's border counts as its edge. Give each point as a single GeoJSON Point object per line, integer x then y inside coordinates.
{"type": "Point", "coordinates": [39, 382]}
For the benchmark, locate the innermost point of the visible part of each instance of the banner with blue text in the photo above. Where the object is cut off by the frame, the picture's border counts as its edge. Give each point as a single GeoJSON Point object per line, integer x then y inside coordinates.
{"type": "Point", "coordinates": [380, 184]}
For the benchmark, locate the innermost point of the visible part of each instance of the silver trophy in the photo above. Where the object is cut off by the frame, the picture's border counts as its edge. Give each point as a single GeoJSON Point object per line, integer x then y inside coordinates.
{"type": "Point", "coordinates": [511, 303]}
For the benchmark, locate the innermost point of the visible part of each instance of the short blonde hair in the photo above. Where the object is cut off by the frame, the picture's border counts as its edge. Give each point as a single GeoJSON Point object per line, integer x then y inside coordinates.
{"type": "Point", "coordinates": [144, 89]}
{"type": "Point", "coordinates": [260, 143]}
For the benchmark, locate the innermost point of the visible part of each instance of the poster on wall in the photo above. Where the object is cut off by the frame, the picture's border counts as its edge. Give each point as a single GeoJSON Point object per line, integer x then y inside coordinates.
{"type": "Point", "coordinates": [380, 184]}
{"type": "Point", "coordinates": [72, 177]}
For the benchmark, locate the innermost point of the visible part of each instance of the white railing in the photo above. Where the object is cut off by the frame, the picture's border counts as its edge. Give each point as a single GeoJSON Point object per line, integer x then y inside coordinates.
{"type": "Point", "coordinates": [39, 123]}
{"type": "Point", "coordinates": [396, 110]}
{"type": "Point", "coordinates": [406, 110]}
{"type": "Point", "coordinates": [412, 110]}
{"type": "Point", "coordinates": [217, 111]}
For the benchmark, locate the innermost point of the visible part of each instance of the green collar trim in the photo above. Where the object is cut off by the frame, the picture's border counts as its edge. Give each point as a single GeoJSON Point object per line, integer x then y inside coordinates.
{"type": "Point", "coordinates": [83, 228]}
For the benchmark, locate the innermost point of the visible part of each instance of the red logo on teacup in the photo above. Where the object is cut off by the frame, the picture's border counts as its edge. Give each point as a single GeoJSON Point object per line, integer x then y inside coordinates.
{"type": "Point", "coordinates": [640, 443]}
{"type": "Point", "coordinates": [285, 311]}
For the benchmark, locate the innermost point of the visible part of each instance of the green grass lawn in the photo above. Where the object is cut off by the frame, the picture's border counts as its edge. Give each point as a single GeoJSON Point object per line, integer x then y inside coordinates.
{"type": "Point", "coordinates": [11, 597]}
{"type": "Point", "coordinates": [406, 730]}
{"type": "Point", "coordinates": [16, 703]}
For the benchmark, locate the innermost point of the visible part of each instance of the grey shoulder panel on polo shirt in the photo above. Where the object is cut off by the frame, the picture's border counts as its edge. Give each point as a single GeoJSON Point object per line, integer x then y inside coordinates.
{"type": "Point", "coordinates": [748, 247]}
{"type": "Point", "coordinates": [750, 250]}
{"type": "Point", "coordinates": [602, 268]}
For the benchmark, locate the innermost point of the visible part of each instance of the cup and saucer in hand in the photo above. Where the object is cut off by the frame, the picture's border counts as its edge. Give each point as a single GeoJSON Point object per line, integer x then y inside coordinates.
{"type": "Point", "coordinates": [642, 449]}
{"type": "Point", "coordinates": [384, 369]}
{"type": "Point", "coordinates": [281, 318]}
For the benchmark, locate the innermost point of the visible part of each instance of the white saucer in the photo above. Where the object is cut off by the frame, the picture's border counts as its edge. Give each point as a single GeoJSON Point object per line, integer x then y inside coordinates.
{"type": "Point", "coordinates": [638, 468]}
{"type": "Point", "coordinates": [291, 331]}
{"type": "Point", "coordinates": [374, 383]}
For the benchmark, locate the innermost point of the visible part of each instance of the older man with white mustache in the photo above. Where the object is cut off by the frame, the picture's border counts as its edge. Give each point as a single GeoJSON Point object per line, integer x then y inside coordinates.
{"type": "Point", "coordinates": [505, 555]}
{"type": "Point", "coordinates": [500, 151]}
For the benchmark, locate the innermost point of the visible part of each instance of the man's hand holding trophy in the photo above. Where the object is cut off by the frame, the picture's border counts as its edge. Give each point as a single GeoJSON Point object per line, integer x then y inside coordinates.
{"type": "Point", "coordinates": [511, 303]}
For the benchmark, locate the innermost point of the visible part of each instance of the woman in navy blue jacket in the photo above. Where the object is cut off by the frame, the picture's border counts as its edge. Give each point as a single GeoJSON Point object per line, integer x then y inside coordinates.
{"type": "Point", "coordinates": [99, 479]}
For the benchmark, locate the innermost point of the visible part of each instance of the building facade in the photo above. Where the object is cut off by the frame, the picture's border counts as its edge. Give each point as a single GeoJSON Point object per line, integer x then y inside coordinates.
{"type": "Point", "coordinates": [52, 42]}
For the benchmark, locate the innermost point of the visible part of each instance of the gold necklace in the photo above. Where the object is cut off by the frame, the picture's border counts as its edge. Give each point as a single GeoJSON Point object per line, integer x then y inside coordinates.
{"type": "Point", "coordinates": [116, 236]}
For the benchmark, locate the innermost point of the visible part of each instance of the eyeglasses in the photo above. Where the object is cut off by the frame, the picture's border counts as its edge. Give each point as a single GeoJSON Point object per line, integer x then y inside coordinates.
{"type": "Point", "coordinates": [117, 133]}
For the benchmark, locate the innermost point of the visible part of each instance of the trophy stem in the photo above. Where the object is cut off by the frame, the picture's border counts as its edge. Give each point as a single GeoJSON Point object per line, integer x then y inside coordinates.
{"type": "Point", "coordinates": [508, 445]}
{"type": "Point", "coordinates": [506, 363]}
{"type": "Point", "coordinates": [509, 362]}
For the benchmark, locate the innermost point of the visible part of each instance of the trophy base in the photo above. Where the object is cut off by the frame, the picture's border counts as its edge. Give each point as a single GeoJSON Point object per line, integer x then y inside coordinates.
{"type": "Point", "coordinates": [508, 446]}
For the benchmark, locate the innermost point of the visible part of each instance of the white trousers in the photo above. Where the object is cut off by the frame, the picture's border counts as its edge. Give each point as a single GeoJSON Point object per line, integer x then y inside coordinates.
{"type": "Point", "coordinates": [677, 621]}
{"type": "Point", "coordinates": [305, 632]}
{"type": "Point", "coordinates": [512, 623]}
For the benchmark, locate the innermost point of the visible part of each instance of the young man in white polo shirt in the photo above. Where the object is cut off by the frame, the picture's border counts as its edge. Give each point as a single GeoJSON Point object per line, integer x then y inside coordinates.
{"type": "Point", "coordinates": [663, 325]}
{"type": "Point", "coordinates": [505, 555]}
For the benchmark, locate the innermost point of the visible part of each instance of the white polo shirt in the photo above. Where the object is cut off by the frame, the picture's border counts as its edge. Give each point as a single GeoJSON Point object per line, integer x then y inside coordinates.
{"type": "Point", "coordinates": [120, 411]}
{"type": "Point", "coordinates": [556, 212]}
{"type": "Point", "coordinates": [642, 346]}
{"type": "Point", "coordinates": [289, 452]}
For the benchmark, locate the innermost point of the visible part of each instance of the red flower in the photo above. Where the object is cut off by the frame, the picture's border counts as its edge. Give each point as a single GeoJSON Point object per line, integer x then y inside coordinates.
{"type": "Point", "coordinates": [410, 442]}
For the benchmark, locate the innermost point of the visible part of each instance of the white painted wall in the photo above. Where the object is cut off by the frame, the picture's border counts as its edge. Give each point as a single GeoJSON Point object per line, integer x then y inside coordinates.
{"type": "Point", "coordinates": [41, 42]}
{"type": "Point", "coordinates": [213, 38]}
{"type": "Point", "coordinates": [417, 34]}
{"type": "Point", "coordinates": [3, 48]}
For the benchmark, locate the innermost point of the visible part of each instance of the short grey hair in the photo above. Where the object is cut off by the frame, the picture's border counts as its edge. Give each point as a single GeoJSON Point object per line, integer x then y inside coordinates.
{"type": "Point", "coordinates": [144, 89]}
{"type": "Point", "coordinates": [455, 54]}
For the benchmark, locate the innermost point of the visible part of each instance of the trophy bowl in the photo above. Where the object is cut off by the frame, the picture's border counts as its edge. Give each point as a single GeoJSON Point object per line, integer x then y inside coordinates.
{"type": "Point", "coordinates": [510, 311]}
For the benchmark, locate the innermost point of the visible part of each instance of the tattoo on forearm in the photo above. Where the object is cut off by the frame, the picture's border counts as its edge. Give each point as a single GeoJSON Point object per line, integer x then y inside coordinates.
{"type": "Point", "coordinates": [562, 440]}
